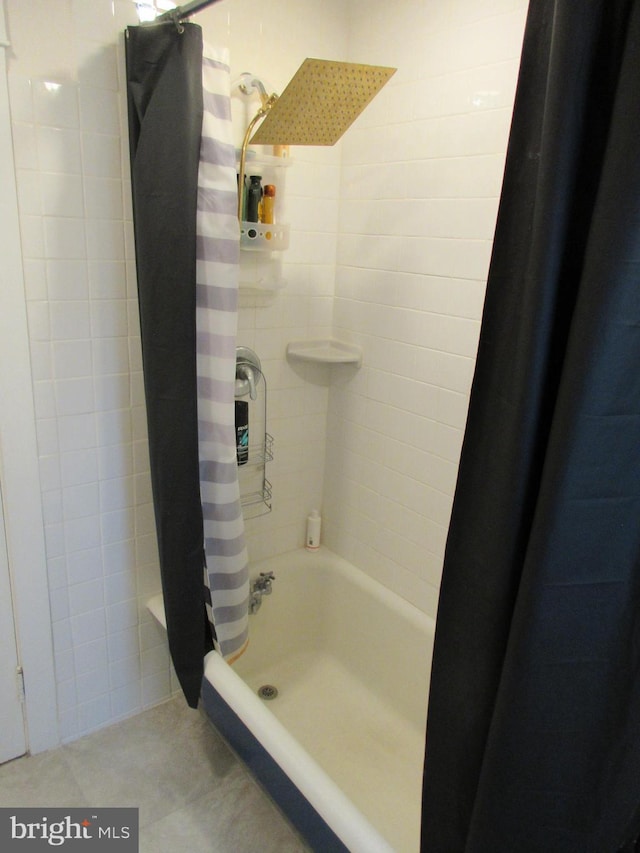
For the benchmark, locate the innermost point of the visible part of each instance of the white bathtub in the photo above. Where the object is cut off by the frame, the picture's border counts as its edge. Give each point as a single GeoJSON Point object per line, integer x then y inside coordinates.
{"type": "Point", "coordinates": [344, 739]}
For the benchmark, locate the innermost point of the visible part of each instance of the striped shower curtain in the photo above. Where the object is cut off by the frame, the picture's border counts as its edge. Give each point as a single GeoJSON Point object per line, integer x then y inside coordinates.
{"type": "Point", "coordinates": [218, 246]}
{"type": "Point", "coordinates": [186, 239]}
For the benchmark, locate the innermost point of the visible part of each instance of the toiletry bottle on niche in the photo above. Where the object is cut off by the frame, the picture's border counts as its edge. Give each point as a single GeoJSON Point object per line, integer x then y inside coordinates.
{"type": "Point", "coordinates": [242, 431]}
{"type": "Point", "coordinates": [268, 204]}
{"type": "Point", "coordinates": [254, 195]}
{"type": "Point", "coordinates": [313, 531]}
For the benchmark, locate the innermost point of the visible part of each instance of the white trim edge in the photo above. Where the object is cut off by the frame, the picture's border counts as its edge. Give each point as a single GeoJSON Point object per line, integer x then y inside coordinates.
{"type": "Point", "coordinates": [20, 475]}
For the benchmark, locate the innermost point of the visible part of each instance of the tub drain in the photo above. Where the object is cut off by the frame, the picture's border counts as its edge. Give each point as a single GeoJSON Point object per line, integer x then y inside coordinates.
{"type": "Point", "coordinates": [267, 691]}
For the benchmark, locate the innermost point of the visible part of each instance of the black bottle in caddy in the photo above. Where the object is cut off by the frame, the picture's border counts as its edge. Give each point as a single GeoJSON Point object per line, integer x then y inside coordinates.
{"type": "Point", "coordinates": [242, 431]}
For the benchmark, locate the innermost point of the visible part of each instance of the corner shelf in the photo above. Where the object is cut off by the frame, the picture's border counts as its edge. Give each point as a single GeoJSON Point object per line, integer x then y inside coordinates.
{"type": "Point", "coordinates": [325, 351]}
{"type": "Point", "coordinates": [155, 605]}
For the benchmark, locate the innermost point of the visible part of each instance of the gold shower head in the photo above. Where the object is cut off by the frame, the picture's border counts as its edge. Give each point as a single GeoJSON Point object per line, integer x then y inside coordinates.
{"type": "Point", "coordinates": [322, 100]}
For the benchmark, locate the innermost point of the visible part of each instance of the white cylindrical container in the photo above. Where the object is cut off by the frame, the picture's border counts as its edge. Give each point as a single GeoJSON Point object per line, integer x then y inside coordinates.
{"type": "Point", "coordinates": [314, 521]}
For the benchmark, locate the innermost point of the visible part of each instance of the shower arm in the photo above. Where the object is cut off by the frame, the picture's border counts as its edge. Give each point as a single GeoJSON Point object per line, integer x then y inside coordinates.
{"type": "Point", "coordinates": [180, 13]}
{"type": "Point", "coordinates": [267, 104]}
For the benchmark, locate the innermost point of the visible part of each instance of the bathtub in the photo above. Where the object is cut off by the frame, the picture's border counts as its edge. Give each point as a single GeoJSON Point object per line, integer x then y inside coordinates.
{"type": "Point", "coordinates": [340, 749]}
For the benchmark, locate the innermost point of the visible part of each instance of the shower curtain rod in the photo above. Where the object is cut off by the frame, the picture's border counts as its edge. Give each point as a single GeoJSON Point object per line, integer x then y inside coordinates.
{"type": "Point", "coordinates": [182, 12]}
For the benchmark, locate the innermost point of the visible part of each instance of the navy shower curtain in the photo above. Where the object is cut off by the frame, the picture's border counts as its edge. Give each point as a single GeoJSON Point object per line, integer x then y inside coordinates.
{"type": "Point", "coordinates": [164, 76]}
{"type": "Point", "coordinates": [533, 733]}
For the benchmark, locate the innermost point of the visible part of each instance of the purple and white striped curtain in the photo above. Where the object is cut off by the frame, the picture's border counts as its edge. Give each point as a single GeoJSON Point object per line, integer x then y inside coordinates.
{"type": "Point", "coordinates": [218, 246]}
{"type": "Point", "coordinates": [183, 179]}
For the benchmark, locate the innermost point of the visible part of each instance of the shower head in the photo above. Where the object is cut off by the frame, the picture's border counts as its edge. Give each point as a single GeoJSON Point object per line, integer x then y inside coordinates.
{"type": "Point", "coordinates": [321, 101]}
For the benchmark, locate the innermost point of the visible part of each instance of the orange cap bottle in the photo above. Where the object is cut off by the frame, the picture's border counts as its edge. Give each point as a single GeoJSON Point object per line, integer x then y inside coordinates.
{"type": "Point", "coordinates": [268, 204]}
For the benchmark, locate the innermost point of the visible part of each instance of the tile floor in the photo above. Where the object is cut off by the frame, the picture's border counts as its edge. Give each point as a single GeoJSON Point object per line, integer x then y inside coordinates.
{"type": "Point", "coordinates": [193, 793]}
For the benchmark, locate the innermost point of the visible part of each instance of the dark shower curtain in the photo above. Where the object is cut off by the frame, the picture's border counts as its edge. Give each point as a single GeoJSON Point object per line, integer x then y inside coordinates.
{"type": "Point", "coordinates": [533, 734]}
{"type": "Point", "coordinates": [164, 76]}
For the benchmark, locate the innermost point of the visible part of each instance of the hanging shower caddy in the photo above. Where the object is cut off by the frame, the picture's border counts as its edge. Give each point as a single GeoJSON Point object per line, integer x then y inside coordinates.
{"type": "Point", "coordinates": [262, 244]}
{"type": "Point", "coordinates": [254, 453]}
{"type": "Point", "coordinates": [263, 236]}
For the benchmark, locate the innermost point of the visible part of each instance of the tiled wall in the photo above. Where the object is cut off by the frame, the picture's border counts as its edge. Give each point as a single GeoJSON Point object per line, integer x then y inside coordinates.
{"type": "Point", "coordinates": [421, 176]}
{"type": "Point", "coordinates": [272, 43]}
{"type": "Point", "coordinates": [405, 205]}
{"type": "Point", "coordinates": [68, 109]}
{"type": "Point", "coordinates": [68, 115]}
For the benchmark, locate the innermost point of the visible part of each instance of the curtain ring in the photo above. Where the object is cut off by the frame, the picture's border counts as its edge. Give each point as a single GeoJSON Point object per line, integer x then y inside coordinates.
{"type": "Point", "coordinates": [175, 17]}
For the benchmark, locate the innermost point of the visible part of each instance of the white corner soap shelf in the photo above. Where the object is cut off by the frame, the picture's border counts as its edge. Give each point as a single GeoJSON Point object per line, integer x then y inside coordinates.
{"type": "Point", "coordinates": [155, 605]}
{"type": "Point", "coordinates": [325, 351]}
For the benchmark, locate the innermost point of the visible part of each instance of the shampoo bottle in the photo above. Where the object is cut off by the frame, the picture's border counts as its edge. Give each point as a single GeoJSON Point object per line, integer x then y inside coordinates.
{"type": "Point", "coordinates": [242, 431]}
{"type": "Point", "coordinates": [268, 202]}
{"type": "Point", "coordinates": [313, 531]}
{"type": "Point", "coordinates": [254, 196]}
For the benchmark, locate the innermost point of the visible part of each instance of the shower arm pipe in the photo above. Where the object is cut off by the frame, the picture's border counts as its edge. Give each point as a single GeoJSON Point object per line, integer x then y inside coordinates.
{"type": "Point", "coordinates": [267, 103]}
{"type": "Point", "coordinates": [181, 12]}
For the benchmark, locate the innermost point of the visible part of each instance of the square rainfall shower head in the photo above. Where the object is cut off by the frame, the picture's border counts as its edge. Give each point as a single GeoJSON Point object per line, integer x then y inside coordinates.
{"type": "Point", "coordinates": [321, 101]}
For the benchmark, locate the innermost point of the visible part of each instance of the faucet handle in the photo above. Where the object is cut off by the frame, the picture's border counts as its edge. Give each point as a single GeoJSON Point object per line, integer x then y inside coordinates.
{"type": "Point", "coordinates": [247, 375]}
{"type": "Point", "coordinates": [266, 579]}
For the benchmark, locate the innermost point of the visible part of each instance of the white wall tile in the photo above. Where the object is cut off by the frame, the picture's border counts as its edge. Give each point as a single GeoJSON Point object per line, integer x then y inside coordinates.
{"type": "Point", "coordinates": [112, 392]}
{"type": "Point", "coordinates": [424, 166]}
{"type": "Point", "coordinates": [44, 399]}
{"type": "Point", "coordinates": [90, 656]}
{"type": "Point", "coordinates": [70, 320]}
{"type": "Point", "coordinates": [82, 534]}
{"type": "Point", "coordinates": [90, 687]}
{"type": "Point", "coordinates": [114, 427]}
{"type": "Point", "coordinates": [39, 321]}
{"type": "Point", "coordinates": [95, 713]}
{"type": "Point", "coordinates": [71, 359]}
{"type": "Point", "coordinates": [21, 98]}
{"type": "Point", "coordinates": [123, 645]}
{"type": "Point", "coordinates": [67, 280]}
{"type": "Point", "coordinates": [58, 150]}
{"type": "Point", "coordinates": [62, 194]}
{"type": "Point", "coordinates": [103, 198]}
{"type": "Point", "coordinates": [109, 318]}
{"type": "Point", "coordinates": [414, 188]}
{"type": "Point", "coordinates": [99, 110]}
{"type": "Point", "coordinates": [121, 616]}
{"type": "Point", "coordinates": [74, 396]}
{"type": "Point", "coordinates": [47, 435]}
{"type": "Point", "coordinates": [81, 501]}
{"type": "Point", "coordinates": [118, 526]}
{"type": "Point", "coordinates": [84, 565]}
{"type": "Point", "coordinates": [25, 146]}
{"type": "Point", "coordinates": [56, 103]}
{"type": "Point", "coordinates": [64, 237]}
{"type": "Point", "coordinates": [107, 279]}
{"type": "Point", "coordinates": [79, 467]}
{"type": "Point", "coordinates": [32, 236]}
{"type": "Point", "coordinates": [105, 240]}
{"type": "Point", "coordinates": [29, 197]}
{"type": "Point", "coordinates": [77, 433]}
{"type": "Point", "coordinates": [127, 699]}
{"type": "Point", "coordinates": [101, 155]}
{"type": "Point", "coordinates": [35, 278]}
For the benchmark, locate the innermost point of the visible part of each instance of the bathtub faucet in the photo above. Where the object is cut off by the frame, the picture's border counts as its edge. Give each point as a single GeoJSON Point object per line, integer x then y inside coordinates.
{"type": "Point", "coordinates": [263, 585]}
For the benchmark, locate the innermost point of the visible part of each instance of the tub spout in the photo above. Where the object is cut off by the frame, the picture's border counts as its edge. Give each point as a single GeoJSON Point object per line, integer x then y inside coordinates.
{"type": "Point", "coordinates": [263, 585]}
